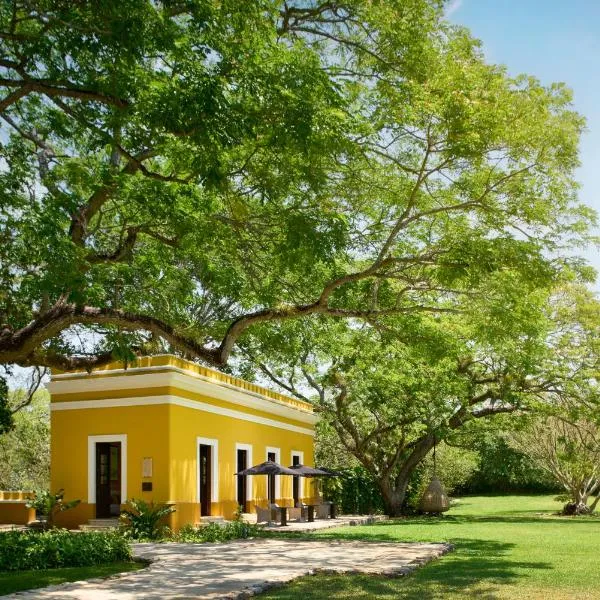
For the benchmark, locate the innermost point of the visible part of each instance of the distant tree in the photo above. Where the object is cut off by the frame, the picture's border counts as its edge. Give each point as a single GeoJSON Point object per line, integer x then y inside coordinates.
{"type": "Point", "coordinates": [178, 173]}
{"type": "Point", "coordinates": [565, 438]}
{"type": "Point", "coordinates": [11, 403]}
{"type": "Point", "coordinates": [25, 449]}
{"type": "Point", "coordinates": [502, 468]}
{"type": "Point", "coordinates": [570, 452]}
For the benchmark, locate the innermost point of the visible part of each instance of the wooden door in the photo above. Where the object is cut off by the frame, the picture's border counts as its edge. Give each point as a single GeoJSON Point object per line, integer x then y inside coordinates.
{"type": "Point", "coordinates": [108, 479]}
{"type": "Point", "coordinates": [296, 482]}
{"type": "Point", "coordinates": [242, 483]}
{"type": "Point", "coordinates": [205, 480]}
{"type": "Point", "coordinates": [271, 457]}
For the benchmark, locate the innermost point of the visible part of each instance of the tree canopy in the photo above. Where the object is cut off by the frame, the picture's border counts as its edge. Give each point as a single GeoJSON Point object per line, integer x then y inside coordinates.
{"type": "Point", "coordinates": [176, 174]}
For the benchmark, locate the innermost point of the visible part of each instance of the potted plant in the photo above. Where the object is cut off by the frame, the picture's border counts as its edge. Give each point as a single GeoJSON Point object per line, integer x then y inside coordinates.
{"type": "Point", "coordinates": [47, 505]}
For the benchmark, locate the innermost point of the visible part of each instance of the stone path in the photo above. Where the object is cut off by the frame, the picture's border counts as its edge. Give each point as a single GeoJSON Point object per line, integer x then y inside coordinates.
{"type": "Point", "coordinates": [317, 524]}
{"type": "Point", "coordinates": [240, 569]}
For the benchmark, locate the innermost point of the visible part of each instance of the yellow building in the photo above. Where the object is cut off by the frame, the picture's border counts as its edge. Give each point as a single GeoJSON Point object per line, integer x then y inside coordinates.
{"type": "Point", "coordinates": [170, 431]}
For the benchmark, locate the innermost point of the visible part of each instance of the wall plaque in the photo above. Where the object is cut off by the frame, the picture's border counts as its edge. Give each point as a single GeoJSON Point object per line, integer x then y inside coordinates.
{"type": "Point", "coordinates": [147, 467]}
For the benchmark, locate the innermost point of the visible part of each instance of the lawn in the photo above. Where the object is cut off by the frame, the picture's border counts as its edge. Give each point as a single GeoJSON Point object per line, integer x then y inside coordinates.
{"type": "Point", "coordinates": [15, 581]}
{"type": "Point", "coordinates": [508, 547]}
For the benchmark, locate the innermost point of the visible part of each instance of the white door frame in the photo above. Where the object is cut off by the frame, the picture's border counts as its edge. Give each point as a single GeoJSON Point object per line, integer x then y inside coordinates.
{"type": "Point", "coordinates": [100, 439]}
{"type": "Point", "coordinates": [300, 455]}
{"type": "Point", "coordinates": [277, 453]}
{"type": "Point", "coordinates": [249, 478]}
{"type": "Point", "coordinates": [214, 468]}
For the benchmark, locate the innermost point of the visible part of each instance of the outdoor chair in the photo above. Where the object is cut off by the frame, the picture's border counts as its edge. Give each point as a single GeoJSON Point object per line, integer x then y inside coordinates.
{"type": "Point", "coordinates": [323, 511]}
{"type": "Point", "coordinates": [263, 515]}
{"type": "Point", "coordinates": [274, 511]}
{"type": "Point", "coordinates": [296, 514]}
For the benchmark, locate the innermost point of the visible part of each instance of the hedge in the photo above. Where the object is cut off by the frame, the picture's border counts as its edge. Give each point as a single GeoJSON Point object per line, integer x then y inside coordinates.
{"type": "Point", "coordinates": [215, 532]}
{"type": "Point", "coordinates": [24, 550]}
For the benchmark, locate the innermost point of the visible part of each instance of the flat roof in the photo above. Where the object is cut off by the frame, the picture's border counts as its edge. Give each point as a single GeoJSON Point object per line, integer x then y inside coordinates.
{"type": "Point", "coordinates": [163, 362]}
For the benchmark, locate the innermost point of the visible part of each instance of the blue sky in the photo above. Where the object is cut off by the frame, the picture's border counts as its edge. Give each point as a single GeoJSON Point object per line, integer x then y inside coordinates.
{"type": "Point", "coordinates": [554, 41]}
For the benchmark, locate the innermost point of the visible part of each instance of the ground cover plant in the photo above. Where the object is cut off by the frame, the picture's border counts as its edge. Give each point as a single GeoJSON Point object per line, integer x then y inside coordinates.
{"type": "Point", "coordinates": [215, 532]}
{"type": "Point", "coordinates": [506, 547]}
{"type": "Point", "coordinates": [55, 548]}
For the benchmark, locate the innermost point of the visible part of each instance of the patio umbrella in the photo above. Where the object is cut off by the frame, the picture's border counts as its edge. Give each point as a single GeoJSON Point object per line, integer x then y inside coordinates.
{"type": "Point", "coordinates": [329, 472]}
{"type": "Point", "coordinates": [304, 471]}
{"type": "Point", "coordinates": [267, 468]}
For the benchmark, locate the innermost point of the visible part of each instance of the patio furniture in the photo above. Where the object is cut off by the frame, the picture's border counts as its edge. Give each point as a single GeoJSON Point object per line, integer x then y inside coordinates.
{"type": "Point", "coordinates": [296, 513]}
{"type": "Point", "coordinates": [263, 515]}
{"type": "Point", "coordinates": [324, 510]}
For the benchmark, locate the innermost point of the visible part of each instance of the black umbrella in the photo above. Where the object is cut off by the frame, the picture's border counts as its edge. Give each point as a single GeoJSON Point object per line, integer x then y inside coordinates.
{"type": "Point", "coordinates": [329, 472]}
{"type": "Point", "coordinates": [304, 471]}
{"type": "Point", "coordinates": [267, 468]}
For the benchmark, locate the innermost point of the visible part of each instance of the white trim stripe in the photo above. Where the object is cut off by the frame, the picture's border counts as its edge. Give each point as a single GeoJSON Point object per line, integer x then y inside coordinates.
{"type": "Point", "coordinates": [177, 378]}
{"type": "Point", "coordinates": [175, 400]}
{"type": "Point", "coordinates": [249, 480]}
{"type": "Point", "coordinates": [64, 378]}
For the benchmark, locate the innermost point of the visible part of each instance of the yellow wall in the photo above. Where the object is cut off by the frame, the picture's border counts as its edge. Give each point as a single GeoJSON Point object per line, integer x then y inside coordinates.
{"type": "Point", "coordinates": [168, 434]}
{"type": "Point", "coordinates": [188, 424]}
{"type": "Point", "coordinates": [15, 513]}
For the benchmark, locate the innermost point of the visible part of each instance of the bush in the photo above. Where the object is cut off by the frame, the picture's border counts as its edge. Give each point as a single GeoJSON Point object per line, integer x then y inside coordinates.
{"type": "Point", "coordinates": [145, 520]}
{"type": "Point", "coordinates": [24, 550]}
{"type": "Point", "coordinates": [213, 532]}
{"type": "Point", "coordinates": [506, 470]}
{"type": "Point", "coordinates": [354, 492]}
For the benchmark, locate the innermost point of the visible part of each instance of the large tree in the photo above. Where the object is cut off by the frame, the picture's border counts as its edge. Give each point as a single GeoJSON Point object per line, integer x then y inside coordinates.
{"type": "Point", "coordinates": [391, 390]}
{"type": "Point", "coordinates": [175, 173]}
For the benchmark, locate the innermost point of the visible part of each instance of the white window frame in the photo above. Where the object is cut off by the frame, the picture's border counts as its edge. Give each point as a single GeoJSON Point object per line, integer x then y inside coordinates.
{"type": "Point", "coordinates": [99, 439]}
{"type": "Point", "coordinates": [300, 455]}
{"type": "Point", "coordinates": [214, 468]}
{"type": "Point", "coordinates": [277, 453]}
{"type": "Point", "coordinates": [249, 478]}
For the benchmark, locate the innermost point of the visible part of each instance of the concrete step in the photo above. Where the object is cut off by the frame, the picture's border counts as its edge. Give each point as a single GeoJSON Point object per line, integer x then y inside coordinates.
{"type": "Point", "coordinates": [100, 525]}
{"type": "Point", "coordinates": [95, 528]}
{"type": "Point", "coordinates": [206, 520]}
{"type": "Point", "coordinates": [111, 522]}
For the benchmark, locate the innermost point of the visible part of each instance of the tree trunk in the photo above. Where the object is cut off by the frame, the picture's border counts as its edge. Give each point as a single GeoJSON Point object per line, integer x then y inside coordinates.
{"type": "Point", "coordinates": [394, 492]}
{"type": "Point", "coordinates": [393, 495]}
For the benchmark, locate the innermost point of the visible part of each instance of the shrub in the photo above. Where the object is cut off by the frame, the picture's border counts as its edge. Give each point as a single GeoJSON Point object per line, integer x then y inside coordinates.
{"type": "Point", "coordinates": [145, 520]}
{"type": "Point", "coordinates": [354, 492]}
{"type": "Point", "coordinates": [505, 469]}
{"type": "Point", "coordinates": [214, 532]}
{"type": "Point", "coordinates": [21, 550]}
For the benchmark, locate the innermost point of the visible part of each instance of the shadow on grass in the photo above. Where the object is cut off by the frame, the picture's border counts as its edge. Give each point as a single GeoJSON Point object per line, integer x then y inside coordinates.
{"type": "Point", "coordinates": [477, 569]}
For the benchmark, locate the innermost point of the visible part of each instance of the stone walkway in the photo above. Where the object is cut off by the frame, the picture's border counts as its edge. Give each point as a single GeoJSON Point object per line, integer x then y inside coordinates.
{"type": "Point", "coordinates": [240, 569]}
{"type": "Point", "coordinates": [317, 524]}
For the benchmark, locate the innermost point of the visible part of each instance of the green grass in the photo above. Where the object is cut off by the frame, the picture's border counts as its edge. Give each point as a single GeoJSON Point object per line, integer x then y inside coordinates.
{"type": "Point", "coordinates": [508, 547]}
{"type": "Point", "coordinates": [16, 581]}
